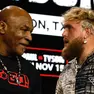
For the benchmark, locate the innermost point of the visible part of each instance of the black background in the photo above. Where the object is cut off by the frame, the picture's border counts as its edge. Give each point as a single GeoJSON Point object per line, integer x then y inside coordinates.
{"type": "Point", "coordinates": [43, 41]}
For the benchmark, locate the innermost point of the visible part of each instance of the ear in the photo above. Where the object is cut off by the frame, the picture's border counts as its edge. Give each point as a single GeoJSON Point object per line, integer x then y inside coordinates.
{"type": "Point", "coordinates": [3, 27]}
{"type": "Point", "coordinates": [88, 32]}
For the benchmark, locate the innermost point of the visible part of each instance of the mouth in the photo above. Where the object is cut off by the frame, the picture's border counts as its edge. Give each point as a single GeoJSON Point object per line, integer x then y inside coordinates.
{"type": "Point", "coordinates": [66, 42]}
{"type": "Point", "coordinates": [24, 44]}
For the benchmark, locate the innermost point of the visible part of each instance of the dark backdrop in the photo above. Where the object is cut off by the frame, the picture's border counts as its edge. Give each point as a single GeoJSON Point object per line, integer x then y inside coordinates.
{"type": "Point", "coordinates": [44, 41]}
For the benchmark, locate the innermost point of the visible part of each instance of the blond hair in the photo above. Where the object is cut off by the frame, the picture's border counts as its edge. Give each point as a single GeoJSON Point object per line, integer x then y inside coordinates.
{"type": "Point", "coordinates": [86, 16]}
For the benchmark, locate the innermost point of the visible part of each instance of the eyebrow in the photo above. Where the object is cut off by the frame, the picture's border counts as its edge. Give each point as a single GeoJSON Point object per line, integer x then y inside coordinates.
{"type": "Point", "coordinates": [27, 27]}
{"type": "Point", "coordinates": [67, 26]}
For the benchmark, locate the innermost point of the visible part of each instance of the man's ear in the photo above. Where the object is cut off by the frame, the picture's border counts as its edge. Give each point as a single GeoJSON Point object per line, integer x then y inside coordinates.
{"type": "Point", "coordinates": [88, 32]}
{"type": "Point", "coordinates": [3, 27]}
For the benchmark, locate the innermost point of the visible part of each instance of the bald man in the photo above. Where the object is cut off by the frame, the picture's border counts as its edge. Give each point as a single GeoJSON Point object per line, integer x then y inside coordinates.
{"type": "Point", "coordinates": [17, 76]}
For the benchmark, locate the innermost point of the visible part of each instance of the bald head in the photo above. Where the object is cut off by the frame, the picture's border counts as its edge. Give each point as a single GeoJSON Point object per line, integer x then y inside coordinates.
{"type": "Point", "coordinates": [15, 30]}
{"type": "Point", "coordinates": [12, 11]}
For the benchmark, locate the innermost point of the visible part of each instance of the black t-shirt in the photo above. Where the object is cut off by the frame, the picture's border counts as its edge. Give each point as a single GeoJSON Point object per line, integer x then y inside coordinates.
{"type": "Point", "coordinates": [30, 82]}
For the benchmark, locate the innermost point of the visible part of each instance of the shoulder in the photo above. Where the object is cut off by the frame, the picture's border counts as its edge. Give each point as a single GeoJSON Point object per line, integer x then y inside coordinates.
{"type": "Point", "coordinates": [33, 74]}
{"type": "Point", "coordinates": [70, 67]}
{"type": "Point", "coordinates": [66, 72]}
{"type": "Point", "coordinates": [69, 71]}
{"type": "Point", "coordinates": [26, 64]}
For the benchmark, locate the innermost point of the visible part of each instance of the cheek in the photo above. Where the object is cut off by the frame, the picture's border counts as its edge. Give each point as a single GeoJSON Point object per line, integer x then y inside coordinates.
{"type": "Point", "coordinates": [19, 33]}
{"type": "Point", "coordinates": [15, 41]}
{"type": "Point", "coordinates": [18, 36]}
{"type": "Point", "coordinates": [75, 34]}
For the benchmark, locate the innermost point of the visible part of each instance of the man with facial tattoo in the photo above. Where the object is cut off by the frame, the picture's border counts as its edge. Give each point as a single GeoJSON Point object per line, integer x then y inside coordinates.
{"type": "Point", "coordinates": [78, 35]}
{"type": "Point", "coordinates": [17, 75]}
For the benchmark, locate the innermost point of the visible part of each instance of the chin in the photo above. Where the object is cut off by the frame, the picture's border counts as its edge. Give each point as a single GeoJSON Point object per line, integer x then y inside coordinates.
{"type": "Point", "coordinates": [19, 53]}
{"type": "Point", "coordinates": [65, 45]}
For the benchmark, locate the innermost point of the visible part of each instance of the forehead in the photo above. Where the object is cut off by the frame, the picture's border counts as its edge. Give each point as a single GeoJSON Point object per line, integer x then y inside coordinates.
{"type": "Point", "coordinates": [73, 27]}
{"type": "Point", "coordinates": [72, 23]}
{"type": "Point", "coordinates": [21, 21]}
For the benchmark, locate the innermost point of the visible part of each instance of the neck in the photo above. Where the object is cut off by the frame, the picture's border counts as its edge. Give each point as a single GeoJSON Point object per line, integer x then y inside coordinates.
{"type": "Point", "coordinates": [4, 51]}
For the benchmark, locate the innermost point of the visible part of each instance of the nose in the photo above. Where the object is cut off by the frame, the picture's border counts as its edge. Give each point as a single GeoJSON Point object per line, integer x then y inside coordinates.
{"type": "Point", "coordinates": [64, 33]}
{"type": "Point", "coordinates": [28, 36]}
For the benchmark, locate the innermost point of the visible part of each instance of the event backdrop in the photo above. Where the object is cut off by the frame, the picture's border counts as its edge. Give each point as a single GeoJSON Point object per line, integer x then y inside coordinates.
{"type": "Point", "coordinates": [44, 52]}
